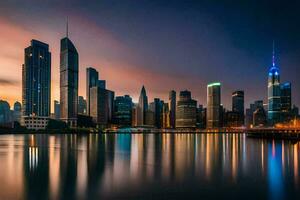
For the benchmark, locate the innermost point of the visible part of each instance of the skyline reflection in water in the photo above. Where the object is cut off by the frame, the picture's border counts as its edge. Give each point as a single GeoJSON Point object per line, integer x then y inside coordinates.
{"type": "Point", "coordinates": [145, 166]}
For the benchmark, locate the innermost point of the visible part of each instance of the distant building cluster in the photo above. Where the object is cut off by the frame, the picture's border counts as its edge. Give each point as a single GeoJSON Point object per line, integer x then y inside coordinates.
{"type": "Point", "coordinates": [102, 109]}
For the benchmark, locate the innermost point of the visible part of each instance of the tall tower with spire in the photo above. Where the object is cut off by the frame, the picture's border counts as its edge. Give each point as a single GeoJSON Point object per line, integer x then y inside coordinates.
{"type": "Point", "coordinates": [274, 104]}
{"type": "Point", "coordinates": [68, 80]}
{"type": "Point", "coordinates": [142, 108]}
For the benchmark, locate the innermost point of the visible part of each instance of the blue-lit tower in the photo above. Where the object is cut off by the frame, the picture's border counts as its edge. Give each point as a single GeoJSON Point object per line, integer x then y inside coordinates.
{"type": "Point", "coordinates": [274, 103]}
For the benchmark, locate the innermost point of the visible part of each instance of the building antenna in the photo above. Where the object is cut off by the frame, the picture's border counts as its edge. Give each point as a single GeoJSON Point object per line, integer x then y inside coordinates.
{"type": "Point", "coordinates": [273, 56]}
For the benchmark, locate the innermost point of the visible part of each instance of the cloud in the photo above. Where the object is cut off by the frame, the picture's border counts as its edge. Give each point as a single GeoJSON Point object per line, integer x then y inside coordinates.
{"type": "Point", "coordinates": [7, 82]}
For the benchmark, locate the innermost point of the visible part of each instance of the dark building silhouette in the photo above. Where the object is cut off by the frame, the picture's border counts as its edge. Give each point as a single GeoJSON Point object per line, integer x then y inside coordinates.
{"type": "Point", "coordinates": [81, 105]}
{"type": "Point", "coordinates": [56, 109]}
{"type": "Point", "coordinates": [201, 117]}
{"type": "Point", "coordinates": [172, 108]}
{"type": "Point", "coordinates": [5, 114]}
{"type": "Point", "coordinates": [101, 105]}
{"type": "Point", "coordinates": [286, 101]}
{"type": "Point", "coordinates": [232, 119]}
{"type": "Point", "coordinates": [157, 107]}
{"type": "Point", "coordinates": [259, 117]}
{"type": "Point", "coordinates": [17, 112]}
{"type": "Point", "coordinates": [68, 81]}
{"type": "Point", "coordinates": [36, 80]}
{"type": "Point", "coordinates": [123, 110]}
{"type": "Point", "coordinates": [186, 111]}
{"type": "Point", "coordinates": [142, 108]}
{"type": "Point", "coordinates": [238, 106]}
{"type": "Point", "coordinates": [249, 112]}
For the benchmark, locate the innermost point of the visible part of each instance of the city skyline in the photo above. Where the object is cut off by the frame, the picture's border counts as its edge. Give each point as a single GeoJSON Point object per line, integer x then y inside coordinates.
{"type": "Point", "coordinates": [120, 63]}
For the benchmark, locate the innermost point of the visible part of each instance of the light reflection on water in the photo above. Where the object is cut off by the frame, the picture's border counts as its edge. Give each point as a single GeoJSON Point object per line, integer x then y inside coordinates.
{"type": "Point", "coordinates": [147, 166]}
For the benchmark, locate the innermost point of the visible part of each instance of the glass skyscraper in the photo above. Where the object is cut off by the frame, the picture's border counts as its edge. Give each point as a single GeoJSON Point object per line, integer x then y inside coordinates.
{"type": "Point", "coordinates": [172, 108]}
{"type": "Point", "coordinates": [68, 82]}
{"type": "Point", "coordinates": [36, 80]}
{"type": "Point", "coordinates": [238, 105]}
{"type": "Point", "coordinates": [286, 101]}
{"type": "Point", "coordinates": [213, 105]}
{"type": "Point", "coordinates": [274, 102]}
{"type": "Point", "coordinates": [142, 108]}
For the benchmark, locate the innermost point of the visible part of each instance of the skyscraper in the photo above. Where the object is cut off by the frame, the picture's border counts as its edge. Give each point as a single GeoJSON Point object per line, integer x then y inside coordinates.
{"type": "Point", "coordinates": [286, 101]}
{"type": "Point", "coordinates": [123, 110]}
{"type": "Point", "coordinates": [92, 77]}
{"type": "Point", "coordinates": [274, 105]}
{"type": "Point", "coordinates": [36, 80]}
{"type": "Point", "coordinates": [56, 109]}
{"type": "Point", "coordinates": [81, 105]}
{"type": "Point", "coordinates": [101, 105]}
{"type": "Point", "coordinates": [68, 81]}
{"type": "Point", "coordinates": [186, 111]}
{"type": "Point", "coordinates": [156, 107]}
{"type": "Point", "coordinates": [172, 108]}
{"type": "Point", "coordinates": [142, 108]}
{"type": "Point", "coordinates": [238, 106]}
{"type": "Point", "coordinates": [213, 105]}
{"type": "Point", "coordinates": [17, 112]}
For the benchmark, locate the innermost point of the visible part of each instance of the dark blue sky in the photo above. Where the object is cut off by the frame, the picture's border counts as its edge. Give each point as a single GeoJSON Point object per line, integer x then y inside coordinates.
{"type": "Point", "coordinates": [172, 44]}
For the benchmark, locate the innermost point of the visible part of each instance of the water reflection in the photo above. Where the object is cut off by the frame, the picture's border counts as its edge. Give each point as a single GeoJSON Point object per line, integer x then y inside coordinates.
{"type": "Point", "coordinates": [147, 166]}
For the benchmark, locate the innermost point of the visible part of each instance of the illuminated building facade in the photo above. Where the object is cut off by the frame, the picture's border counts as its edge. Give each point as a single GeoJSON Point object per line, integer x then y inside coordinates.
{"type": "Point", "coordinates": [123, 110]}
{"type": "Point", "coordinates": [286, 101]}
{"type": "Point", "coordinates": [213, 105]}
{"type": "Point", "coordinates": [36, 80]}
{"type": "Point", "coordinates": [186, 111]}
{"type": "Point", "coordinates": [274, 101]}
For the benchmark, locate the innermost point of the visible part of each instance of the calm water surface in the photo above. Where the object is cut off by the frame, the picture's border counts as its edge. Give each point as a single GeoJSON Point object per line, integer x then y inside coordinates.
{"type": "Point", "coordinates": [179, 166]}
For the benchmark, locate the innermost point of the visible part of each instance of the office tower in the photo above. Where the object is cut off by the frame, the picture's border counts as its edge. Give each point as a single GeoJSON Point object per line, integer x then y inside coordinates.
{"type": "Point", "coordinates": [56, 110]}
{"type": "Point", "coordinates": [201, 117]}
{"type": "Point", "coordinates": [134, 122]}
{"type": "Point", "coordinates": [259, 117]}
{"type": "Point", "coordinates": [295, 111]}
{"type": "Point", "coordinates": [81, 105]}
{"type": "Point", "coordinates": [92, 78]}
{"type": "Point", "coordinates": [165, 117]}
{"type": "Point", "coordinates": [250, 111]}
{"type": "Point", "coordinates": [149, 118]}
{"type": "Point", "coordinates": [102, 84]}
{"type": "Point", "coordinates": [156, 107]}
{"type": "Point", "coordinates": [274, 106]}
{"type": "Point", "coordinates": [110, 96]}
{"type": "Point", "coordinates": [186, 111]}
{"type": "Point", "coordinates": [17, 111]}
{"type": "Point", "coordinates": [213, 105]}
{"type": "Point", "coordinates": [123, 110]}
{"type": "Point", "coordinates": [232, 119]}
{"type": "Point", "coordinates": [286, 101]}
{"type": "Point", "coordinates": [5, 114]}
{"type": "Point", "coordinates": [101, 105]}
{"type": "Point", "coordinates": [36, 80]}
{"type": "Point", "coordinates": [238, 106]}
{"type": "Point", "coordinates": [68, 81]}
{"type": "Point", "coordinates": [142, 108]}
{"type": "Point", "coordinates": [172, 108]}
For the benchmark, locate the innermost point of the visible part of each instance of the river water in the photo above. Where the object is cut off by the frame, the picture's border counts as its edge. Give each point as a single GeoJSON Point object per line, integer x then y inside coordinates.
{"type": "Point", "coordinates": [148, 166]}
